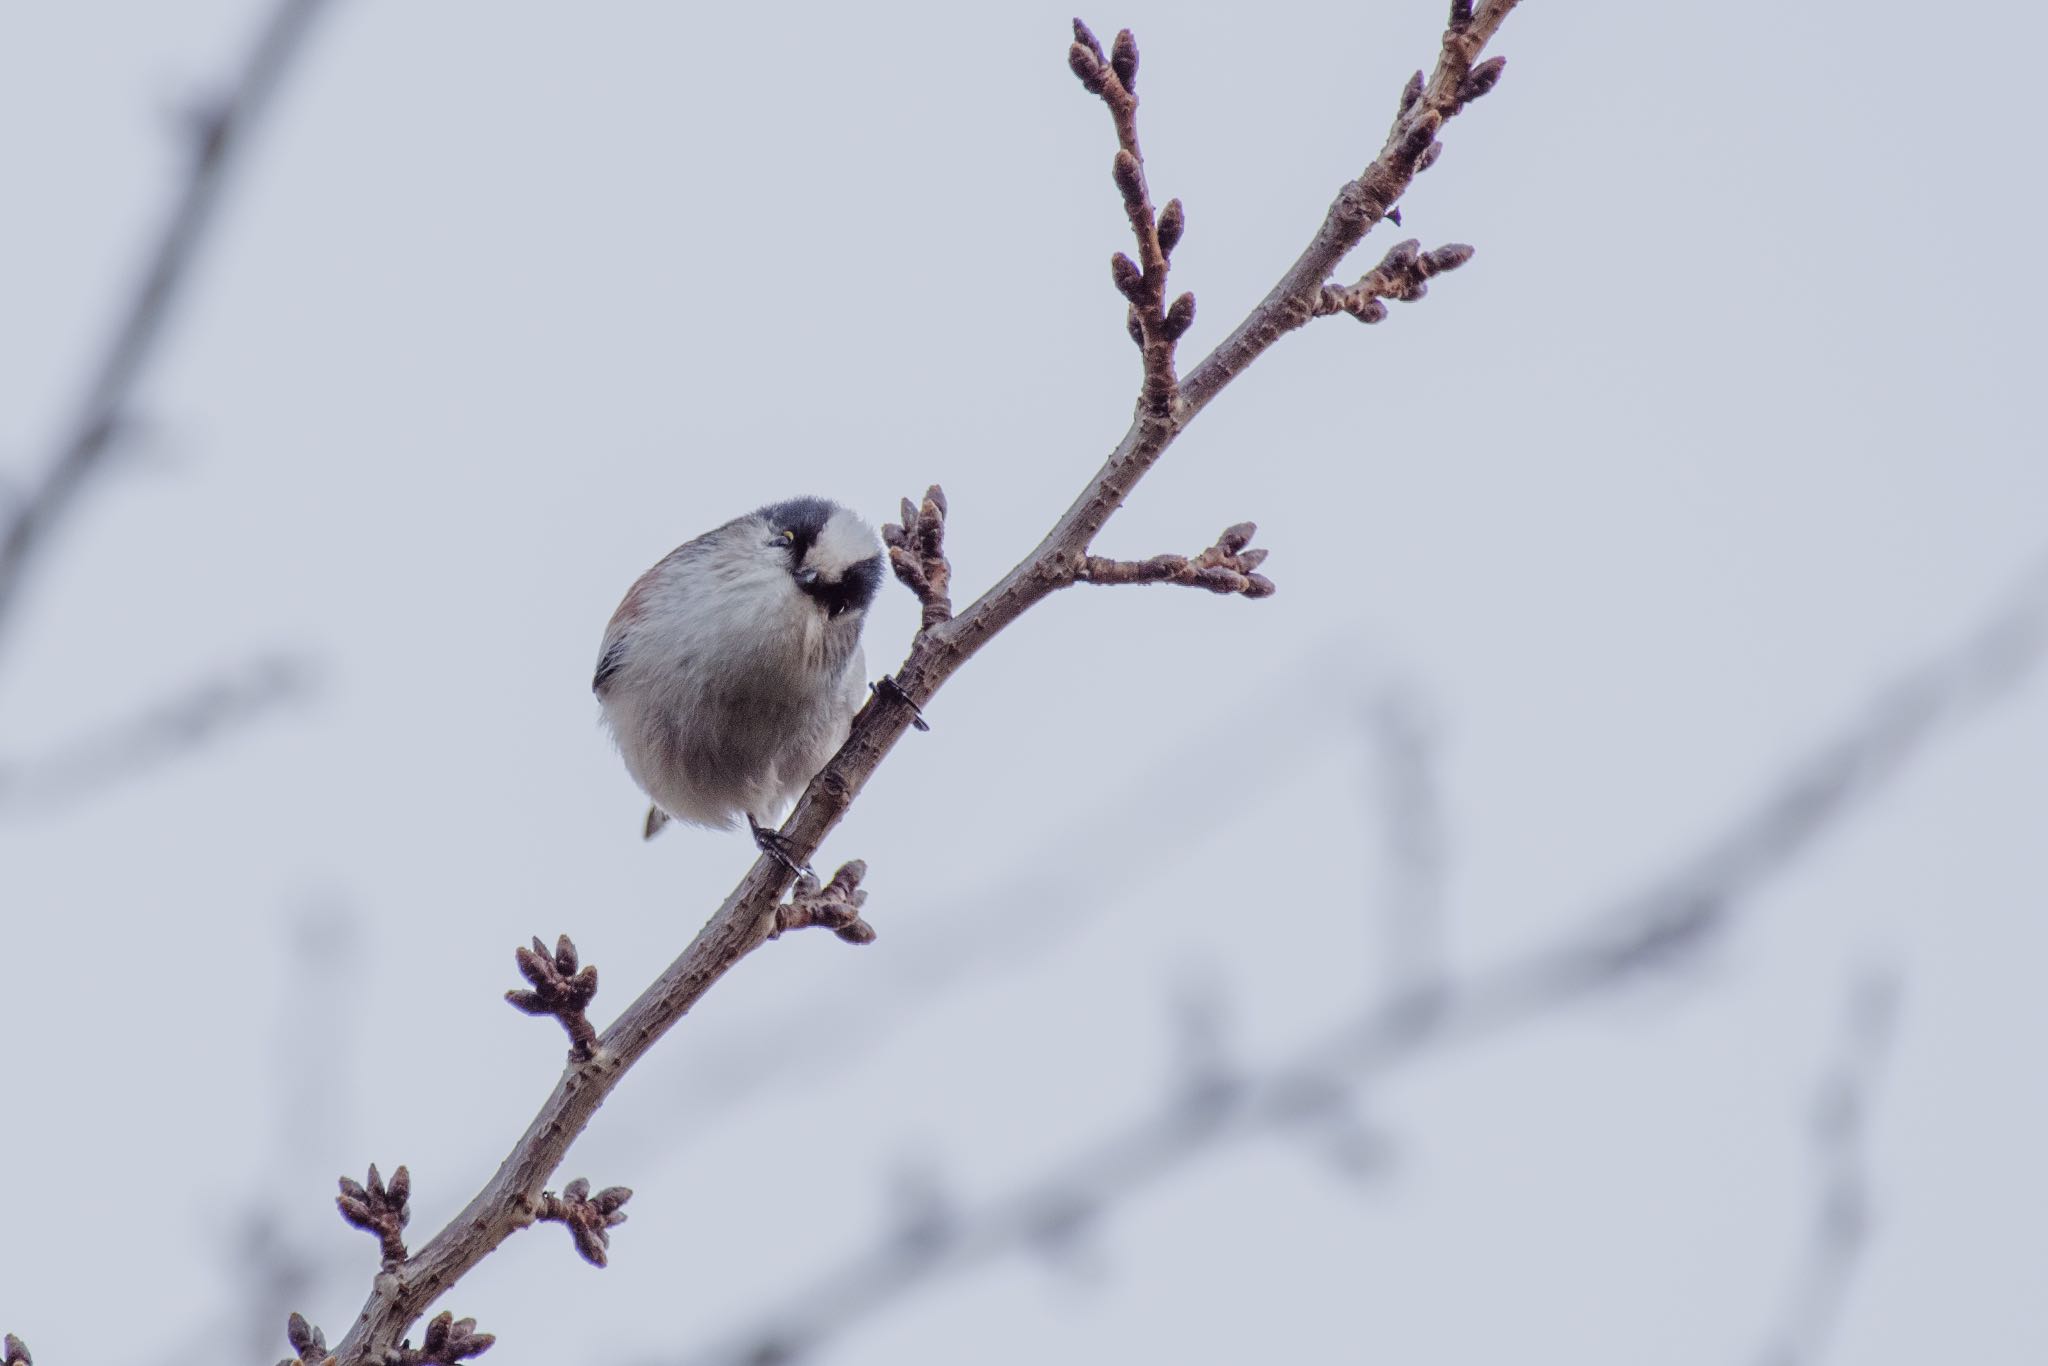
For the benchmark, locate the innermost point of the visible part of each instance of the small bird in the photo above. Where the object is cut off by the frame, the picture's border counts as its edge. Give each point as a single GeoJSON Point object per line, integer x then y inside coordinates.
{"type": "Point", "coordinates": [731, 672]}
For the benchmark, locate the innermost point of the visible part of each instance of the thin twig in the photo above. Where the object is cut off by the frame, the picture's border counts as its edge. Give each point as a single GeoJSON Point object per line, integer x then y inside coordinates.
{"type": "Point", "coordinates": [1229, 566]}
{"type": "Point", "coordinates": [1402, 275]}
{"type": "Point", "coordinates": [1673, 920]}
{"type": "Point", "coordinates": [835, 906]}
{"type": "Point", "coordinates": [1841, 1216]}
{"type": "Point", "coordinates": [219, 129]}
{"type": "Point", "coordinates": [560, 988]}
{"type": "Point", "coordinates": [917, 552]}
{"type": "Point", "coordinates": [589, 1218]}
{"type": "Point", "coordinates": [1154, 325]}
{"type": "Point", "coordinates": [1410, 148]}
{"type": "Point", "coordinates": [510, 1200]}
{"type": "Point", "coordinates": [379, 1210]}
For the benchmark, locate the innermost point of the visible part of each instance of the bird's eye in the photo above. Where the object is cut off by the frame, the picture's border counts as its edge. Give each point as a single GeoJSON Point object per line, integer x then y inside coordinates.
{"type": "Point", "coordinates": [789, 536]}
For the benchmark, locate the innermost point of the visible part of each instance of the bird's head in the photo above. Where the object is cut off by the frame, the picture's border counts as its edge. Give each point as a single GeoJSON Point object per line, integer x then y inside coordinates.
{"type": "Point", "coordinates": [834, 557]}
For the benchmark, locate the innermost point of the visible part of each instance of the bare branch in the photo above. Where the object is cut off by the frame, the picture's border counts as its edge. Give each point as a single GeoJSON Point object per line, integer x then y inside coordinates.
{"type": "Point", "coordinates": [1841, 1217]}
{"type": "Point", "coordinates": [225, 123]}
{"type": "Point", "coordinates": [560, 990]}
{"type": "Point", "coordinates": [943, 644]}
{"type": "Point", "coordinates": [168, 730]}
{"type": "Point", "coordinates": [1225, 567]}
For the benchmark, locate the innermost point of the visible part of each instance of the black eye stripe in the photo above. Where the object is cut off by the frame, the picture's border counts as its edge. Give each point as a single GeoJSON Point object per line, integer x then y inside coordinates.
{"type": "Point", "coordinates": [854, 590]}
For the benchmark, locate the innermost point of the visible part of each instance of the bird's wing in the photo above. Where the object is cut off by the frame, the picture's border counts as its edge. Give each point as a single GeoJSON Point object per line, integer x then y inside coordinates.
{"type": "Point", "coordinates": [618, 631]}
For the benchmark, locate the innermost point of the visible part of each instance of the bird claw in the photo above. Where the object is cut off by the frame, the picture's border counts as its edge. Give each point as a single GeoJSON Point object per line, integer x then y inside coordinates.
{"type": "Point", "coordinates": [776, 845]}
{"type": "Point", "coordinates": [888, 687]}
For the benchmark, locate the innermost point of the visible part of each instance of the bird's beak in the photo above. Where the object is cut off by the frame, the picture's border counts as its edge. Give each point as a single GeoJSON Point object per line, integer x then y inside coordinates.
{"type": "Point", "coordinates": [807, 577]}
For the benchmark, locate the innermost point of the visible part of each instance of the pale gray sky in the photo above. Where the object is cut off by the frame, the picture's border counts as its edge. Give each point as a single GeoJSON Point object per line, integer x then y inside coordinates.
{"type": "Point", "coordinates": [1729, 419]}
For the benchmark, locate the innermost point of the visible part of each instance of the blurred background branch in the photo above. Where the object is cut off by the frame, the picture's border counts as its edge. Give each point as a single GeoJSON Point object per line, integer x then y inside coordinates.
{"type": "Point", "coordinates": [1015, 915]}
{"type": "Point", "coordinates": [217, 128]}
{"type": "Point", "coordinates": [265, 1233]}
{"type": "Point", "coordinates": [1410, 906]}
{"type": "Point", "coordinates": [1313, 1092]}
{"type": "Point", "coordinates": [1839, 1123]}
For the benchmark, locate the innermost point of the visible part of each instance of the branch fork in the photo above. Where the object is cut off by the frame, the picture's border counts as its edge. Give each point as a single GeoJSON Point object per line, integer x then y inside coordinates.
{"type": "Point", "coordinates": [380, 1210]}
{"type": "Point", "coordinates": [1226, 567]}
{"type": "Point", "coordinates": [835, 906]}
{"type": "Point", "coordinates": [589, 1218]}
{"type": "Point", "coordinates": [560, 989]}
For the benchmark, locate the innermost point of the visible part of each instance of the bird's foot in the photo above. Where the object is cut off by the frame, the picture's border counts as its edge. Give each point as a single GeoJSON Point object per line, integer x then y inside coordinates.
{"type": "Point", "coordinates": [776, 846]}
{"type": "Point", "coordinates": [893, 690]}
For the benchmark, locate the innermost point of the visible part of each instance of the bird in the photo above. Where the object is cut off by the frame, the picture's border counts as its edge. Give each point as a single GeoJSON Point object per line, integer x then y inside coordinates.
{"type": "Point", "coordinates": [732, 669]}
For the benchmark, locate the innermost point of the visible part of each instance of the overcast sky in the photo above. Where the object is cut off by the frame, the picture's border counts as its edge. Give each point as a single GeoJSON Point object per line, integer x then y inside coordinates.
{"type": "Point", "coordinates": [1730, 419]}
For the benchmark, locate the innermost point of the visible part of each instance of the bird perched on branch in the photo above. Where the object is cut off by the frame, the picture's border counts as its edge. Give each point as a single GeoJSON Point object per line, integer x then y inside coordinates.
{"type": "Point", "coordinates": [732, 670]}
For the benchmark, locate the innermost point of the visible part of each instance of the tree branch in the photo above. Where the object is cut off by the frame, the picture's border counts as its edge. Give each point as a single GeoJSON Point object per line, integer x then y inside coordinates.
{"type": "Point", "coordinates": [219, 130]}
{"type": "Point", "coordinates": [511, 1200]}
{"type": "Point", "coordinates": [1225, 567]}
